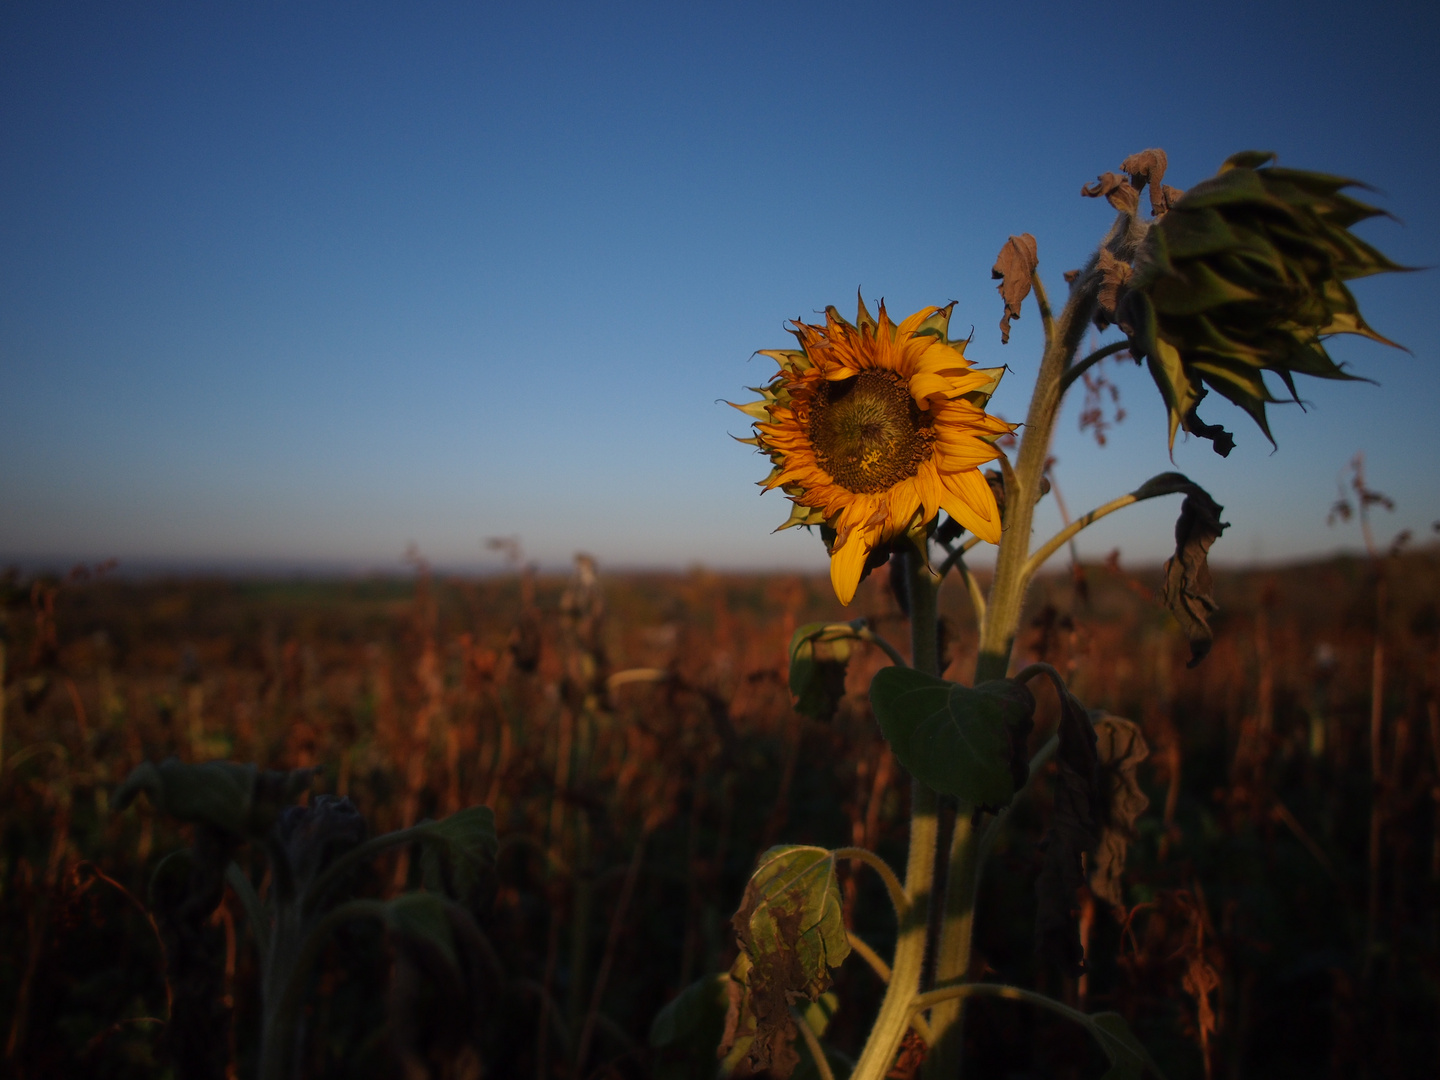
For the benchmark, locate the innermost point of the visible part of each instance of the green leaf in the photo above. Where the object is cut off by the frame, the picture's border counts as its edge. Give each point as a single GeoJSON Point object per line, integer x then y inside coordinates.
{"type": "Point", "coordinates": [791, 932]}
{"type": "Point", "coordinates": [459, 853]}
{"type": "Point", "coordinates": [959, 740]}
{"type": "Point", "coordinates": [1128, 1058]}
{"type": "Point", "coordinates": [819, 653]}
{"type": "Point", "coordinates": [419, 918]}
{"type": "Point", "coordinates": [688, 1029]}
{"type": "Point", "coordinates": [239, 800]}
{"type": "Point", "coordinates": [699, 1006]}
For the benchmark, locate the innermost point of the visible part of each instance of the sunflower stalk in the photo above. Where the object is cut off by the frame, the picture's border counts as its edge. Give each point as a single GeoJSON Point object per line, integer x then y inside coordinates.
{"type": "Point", "coordinates": [998, 623]}
{"type": "Point", "coordinates": [898, 1006]}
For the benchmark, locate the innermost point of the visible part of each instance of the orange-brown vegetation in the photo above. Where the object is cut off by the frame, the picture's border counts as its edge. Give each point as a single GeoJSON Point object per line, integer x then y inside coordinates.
{"type": "Point", "coordinates": [1262, 932]}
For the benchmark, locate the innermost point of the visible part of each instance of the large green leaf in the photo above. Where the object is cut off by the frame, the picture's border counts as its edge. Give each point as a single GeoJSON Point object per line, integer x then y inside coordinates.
{"type": "Point", "coordinates": [459, 852]}
{"type": "Point", "coordinates": [963, 741]}
{"type": "Point", "coordinates": [239, 800]}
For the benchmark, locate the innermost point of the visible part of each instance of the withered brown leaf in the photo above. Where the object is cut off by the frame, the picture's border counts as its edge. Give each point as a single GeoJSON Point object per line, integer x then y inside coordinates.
{"type": "Point", "coordinates": [1114, 274]}
{"type": "Point", "coordinates": [1117, 191]}
{"type": "Point", "coordinates": [791, 933]}
{"type": "Point", "coordinates": [1074, 831]}
{"type": "Point", "coordinates": [1187, 588]}
{"type": "Point", "coordinates": [1148, 166]}
{"type": "Point", "coordinates": [1015, 268]}
{"type": "Point", "coordinates": [1120, 747]}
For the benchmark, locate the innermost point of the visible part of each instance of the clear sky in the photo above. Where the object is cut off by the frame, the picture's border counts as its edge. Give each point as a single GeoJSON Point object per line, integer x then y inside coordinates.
{"type": "Point", "coordinates": [304, 282]}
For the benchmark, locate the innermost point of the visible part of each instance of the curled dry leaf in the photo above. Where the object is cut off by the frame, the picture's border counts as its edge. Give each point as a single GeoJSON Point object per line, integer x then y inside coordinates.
{"type": "Point", "coordinates": [1114, 274]}
{"type": "Point", "coordinates": [1148, 166]}
{"type": "Point", "coordinates": [1074, 831]}
{"type": "Point", "coordinates": [1015, 269]}
{"type": "Point", "coordinates": [1117, 191]}
{"type": "Point", "coordinates": [1120, 747]}
{"type": "Point", "coordinates": [1187, 588]}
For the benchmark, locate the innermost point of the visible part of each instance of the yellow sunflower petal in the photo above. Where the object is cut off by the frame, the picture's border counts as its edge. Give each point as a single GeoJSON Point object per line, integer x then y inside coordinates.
{"type": "Point", "coordinates": [846, 565]}
{"type": "Point", "coordinates": [967, 498]}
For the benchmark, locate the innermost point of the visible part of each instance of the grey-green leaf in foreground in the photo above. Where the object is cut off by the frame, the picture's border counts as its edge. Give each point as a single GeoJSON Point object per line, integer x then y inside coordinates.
{"type": "Point", "coordinates": [819, 653]}
{"type": "Point", "coordinates": [686, 1032]}
{"type": "Point", "coordinates": [1128, 1058]}
{"type": "Point", "coordinates": [700, 1005]}
{"type": "Point", "coordinates": [964, 741]}
{"type": "Point", "coordinates": [236, 799]}
{"type": "Point", "coordinates": [459, 852]}
{"type": "Point", "coordinates": [791, 928]}
{"type": "Point", "coordinates": [419, 918]}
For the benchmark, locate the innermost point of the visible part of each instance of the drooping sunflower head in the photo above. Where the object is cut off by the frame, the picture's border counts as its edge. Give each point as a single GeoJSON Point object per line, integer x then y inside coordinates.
{"type": "Point", "coordinates": [873, 428]}
{"type": "Point", "coordinates": [1245, 273]}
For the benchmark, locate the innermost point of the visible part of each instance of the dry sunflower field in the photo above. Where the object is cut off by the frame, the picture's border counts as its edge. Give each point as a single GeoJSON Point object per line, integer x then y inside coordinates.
{"type": "Point", "coordinates": [635, 738]}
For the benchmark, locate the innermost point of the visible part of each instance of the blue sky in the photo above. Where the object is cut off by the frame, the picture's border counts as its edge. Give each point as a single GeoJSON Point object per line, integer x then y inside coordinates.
{"type": "Point", "coordinates": [288, 283]}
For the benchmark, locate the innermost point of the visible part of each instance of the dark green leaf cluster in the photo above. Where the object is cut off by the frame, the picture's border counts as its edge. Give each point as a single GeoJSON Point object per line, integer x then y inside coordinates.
{"type": "Point", "coordinates": [1245, 274]}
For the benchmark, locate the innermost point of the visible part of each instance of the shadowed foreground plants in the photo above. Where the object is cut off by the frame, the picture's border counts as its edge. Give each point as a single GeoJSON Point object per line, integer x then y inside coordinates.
{"type": "Point", "coordinates": [311, 855]}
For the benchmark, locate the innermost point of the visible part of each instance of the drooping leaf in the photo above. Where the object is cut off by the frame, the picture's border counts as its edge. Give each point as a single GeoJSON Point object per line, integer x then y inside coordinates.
{"type": "Point", "coordinates": [239, 800]}
{"type": "Point", "coordinates": [1015, 268]}
{"type": "Point", "coordinates": [1148, 167]}
{"type": "Point", "coordinates": [1120, 747]}
{"type": "Point", "coordinates": [419, 918]}
{"type": "Point", "coordinates": [1116, 190]}
{"type": "Point", "coordinates": [819, 653]}
{"type": "Point", "coordinates": [1187, 588]}
{"type": "Point", "coordinates": [791, 932]}
{"type": "Point", "coordinates": [1128, 1057]}
{"type": "Point", "coordinates": [1074, 831]}
{"type": "Point", "coordinates": [687, 1031]}
{"type": "Point", "coordinates": [459, 853]}
{"type": "Point", "coordinates": [964, 741]}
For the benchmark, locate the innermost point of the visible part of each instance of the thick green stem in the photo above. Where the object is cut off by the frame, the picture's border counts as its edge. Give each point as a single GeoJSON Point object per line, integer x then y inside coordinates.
{"type": "Point", "coordinates": [1002, 615]}
{"type": "Point", "coordinates": [897, 1008]}
{"type": "Point", "coordinates": [953, 962]}
{"type": "Point", "coordinates": [1023, 487]}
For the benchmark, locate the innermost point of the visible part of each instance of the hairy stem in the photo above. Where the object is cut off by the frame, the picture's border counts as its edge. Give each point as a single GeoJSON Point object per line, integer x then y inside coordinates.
{"type": "Point", "coordinates": [897, 1007]}
{"type": "Point", "coordinates": [1023, 484]}
{"type": "Point", "coordinates": [1013, 570]}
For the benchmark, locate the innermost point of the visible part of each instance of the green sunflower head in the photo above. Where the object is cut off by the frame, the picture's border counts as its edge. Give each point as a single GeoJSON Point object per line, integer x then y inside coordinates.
{"type": "Point", "coordinates": [1242, 274]}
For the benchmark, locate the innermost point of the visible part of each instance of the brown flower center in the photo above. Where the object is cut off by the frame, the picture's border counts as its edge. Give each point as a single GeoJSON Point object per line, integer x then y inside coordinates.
{"type": "Point", "coordinates": [868, 432]}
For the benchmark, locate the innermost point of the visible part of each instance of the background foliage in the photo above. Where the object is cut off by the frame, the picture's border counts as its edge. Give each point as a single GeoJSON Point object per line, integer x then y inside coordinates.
{"type": "Point", "coordinates": [631, 812]}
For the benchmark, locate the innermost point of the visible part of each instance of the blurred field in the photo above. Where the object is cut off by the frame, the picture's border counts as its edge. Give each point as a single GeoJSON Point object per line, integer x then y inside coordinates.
{"type": "Point", "coordinates": [1262, 938]}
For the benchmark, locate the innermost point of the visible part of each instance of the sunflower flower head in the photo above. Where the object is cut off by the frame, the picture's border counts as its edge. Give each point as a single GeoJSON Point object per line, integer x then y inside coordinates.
{"type": "Point", "coordinates": [873, 428]}
{"type": "Point", "coordinates": [1243, 274]}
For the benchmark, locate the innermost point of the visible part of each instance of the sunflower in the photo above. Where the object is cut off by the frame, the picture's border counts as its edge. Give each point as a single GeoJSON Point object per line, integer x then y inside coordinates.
{"type": "Point", "coordinates": [872, 429]}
